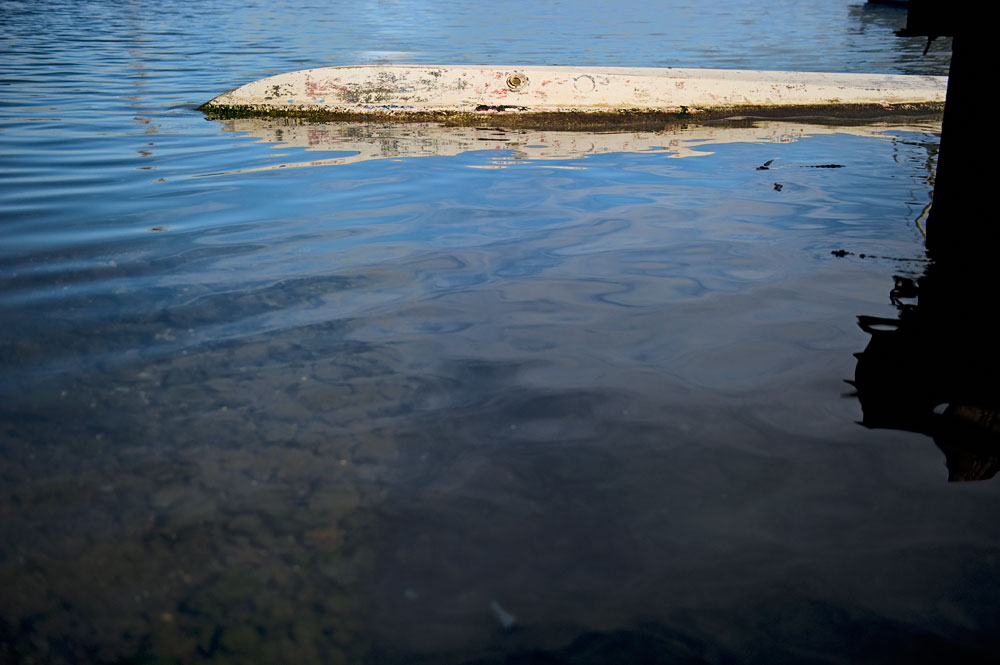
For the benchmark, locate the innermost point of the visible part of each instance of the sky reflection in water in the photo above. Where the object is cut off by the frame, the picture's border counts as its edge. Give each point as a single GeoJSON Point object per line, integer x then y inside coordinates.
{"type": "Point", "coordinates": [372, 411]}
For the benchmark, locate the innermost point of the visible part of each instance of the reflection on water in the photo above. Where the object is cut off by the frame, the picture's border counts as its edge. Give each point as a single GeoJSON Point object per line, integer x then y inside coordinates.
{"type": "Point", "coordinates": [933, 369]}
{"type": "Point", "coordinates": [605, 400]}
{"type": "Point", "coordinates": [366, 141]}
{"type": "Point", "coordinates": [422, 409]}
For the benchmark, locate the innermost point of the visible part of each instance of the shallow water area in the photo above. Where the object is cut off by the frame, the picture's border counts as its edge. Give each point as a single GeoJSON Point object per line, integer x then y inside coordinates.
{"type": "Point", "coordinates": [281, 392]}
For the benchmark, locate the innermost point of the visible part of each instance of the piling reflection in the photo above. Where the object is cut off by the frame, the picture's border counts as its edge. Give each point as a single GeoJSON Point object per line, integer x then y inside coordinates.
{"type": "Point", "coordinates": [933, 369]}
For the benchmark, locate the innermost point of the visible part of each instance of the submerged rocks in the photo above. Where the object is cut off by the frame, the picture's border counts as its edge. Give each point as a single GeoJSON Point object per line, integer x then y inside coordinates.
{"type": "Point", "coordinates": [211, 514]}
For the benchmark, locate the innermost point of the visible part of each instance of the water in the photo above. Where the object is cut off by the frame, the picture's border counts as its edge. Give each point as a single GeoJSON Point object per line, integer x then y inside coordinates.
{"type": "Point", "coordinates": [575, 400]}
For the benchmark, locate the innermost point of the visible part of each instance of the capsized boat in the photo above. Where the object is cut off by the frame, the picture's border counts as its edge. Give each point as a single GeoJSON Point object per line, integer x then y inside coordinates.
{"type": "Point", "coordinates": [572, 96]}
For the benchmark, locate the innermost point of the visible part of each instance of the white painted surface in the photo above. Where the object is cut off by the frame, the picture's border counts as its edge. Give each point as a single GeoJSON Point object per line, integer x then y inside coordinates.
{"type": "Point", "coordinates": [427, 88]}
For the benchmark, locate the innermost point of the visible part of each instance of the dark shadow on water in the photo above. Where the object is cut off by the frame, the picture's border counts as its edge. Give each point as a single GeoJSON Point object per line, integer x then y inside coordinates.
{"type": "Point", "coordinates": [796, 630]}
{"type": "Point", "coordinates": [934, 369]}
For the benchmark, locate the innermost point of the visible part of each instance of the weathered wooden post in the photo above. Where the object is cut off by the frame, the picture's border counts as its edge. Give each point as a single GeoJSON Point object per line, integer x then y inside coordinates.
{"type": "Point", "coordinates": [961, 225]}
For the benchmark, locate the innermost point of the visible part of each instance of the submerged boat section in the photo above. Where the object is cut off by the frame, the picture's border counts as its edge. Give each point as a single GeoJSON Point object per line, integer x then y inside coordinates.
{"type": "Point", "coordinates": [572, 96]}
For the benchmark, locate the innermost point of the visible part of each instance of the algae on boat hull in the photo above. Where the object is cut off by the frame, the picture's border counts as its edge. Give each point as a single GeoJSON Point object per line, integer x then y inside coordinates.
{"type": "Point", "coordinates": [523, 118]}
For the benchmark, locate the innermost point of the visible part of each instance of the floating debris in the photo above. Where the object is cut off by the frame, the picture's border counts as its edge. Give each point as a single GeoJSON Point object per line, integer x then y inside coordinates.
{"type": "Point", "coordinates": [506, 618]}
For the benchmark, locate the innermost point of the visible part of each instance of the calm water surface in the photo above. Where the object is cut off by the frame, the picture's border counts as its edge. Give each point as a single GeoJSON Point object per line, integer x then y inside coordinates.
{"type": "Point", "coordinates": [493, 405]}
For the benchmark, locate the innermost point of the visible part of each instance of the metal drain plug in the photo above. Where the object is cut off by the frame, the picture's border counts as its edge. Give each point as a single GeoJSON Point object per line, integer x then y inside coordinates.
{"type": "Point", "coordinates": [516, 81]}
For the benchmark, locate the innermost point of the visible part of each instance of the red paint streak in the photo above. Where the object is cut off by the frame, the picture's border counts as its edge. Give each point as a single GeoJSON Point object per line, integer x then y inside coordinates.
{"type": "Point", "coordinates": [318, 137]}
{"type": "Point", "coordinates": [314, 89]}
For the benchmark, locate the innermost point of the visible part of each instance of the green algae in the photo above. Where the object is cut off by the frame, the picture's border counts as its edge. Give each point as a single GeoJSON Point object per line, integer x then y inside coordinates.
{"type": "Point", "coordinates": [640, 119]}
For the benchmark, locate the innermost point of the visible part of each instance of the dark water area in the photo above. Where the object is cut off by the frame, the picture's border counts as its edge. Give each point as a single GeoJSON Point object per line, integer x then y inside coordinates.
{"type": "Point", "coordinates": [274, 393]}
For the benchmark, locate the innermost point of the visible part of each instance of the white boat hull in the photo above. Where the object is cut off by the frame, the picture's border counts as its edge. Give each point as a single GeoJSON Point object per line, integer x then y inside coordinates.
{"type": "Point", "coordinates": [419, 91]}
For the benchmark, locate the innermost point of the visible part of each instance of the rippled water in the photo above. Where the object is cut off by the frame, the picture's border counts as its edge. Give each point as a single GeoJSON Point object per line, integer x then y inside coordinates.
{"type": "Point", "coordinates": [491, 398]}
